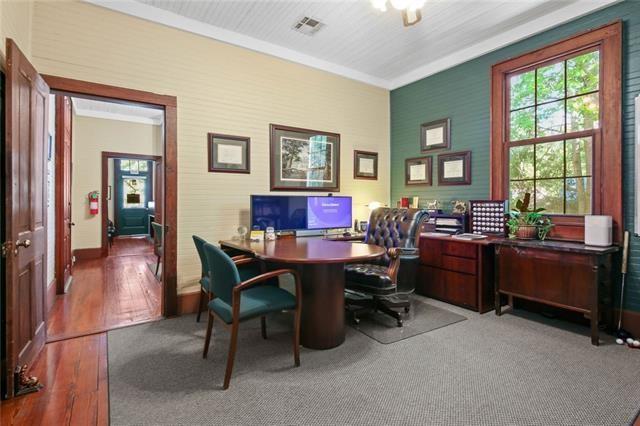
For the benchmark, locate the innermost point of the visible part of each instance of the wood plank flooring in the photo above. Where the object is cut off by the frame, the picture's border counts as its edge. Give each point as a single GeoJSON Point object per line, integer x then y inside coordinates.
{"type": "Point", "coordinates": [107, 293]}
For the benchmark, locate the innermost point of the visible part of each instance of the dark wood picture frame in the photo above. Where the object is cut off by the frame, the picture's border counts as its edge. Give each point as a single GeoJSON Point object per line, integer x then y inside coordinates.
{"type": "Point", "coordinates": [465, 179]}
{"type": "Point", "coordinates": [276, 184]}
{"type": "Point", "coordinates": [212, 153]}
{"type": "Point", "coordinates": [445, 124]}
{"type": "Point", "coordinates": [427, 161]}
{"type": "Point", "coordinates": [357, 155]}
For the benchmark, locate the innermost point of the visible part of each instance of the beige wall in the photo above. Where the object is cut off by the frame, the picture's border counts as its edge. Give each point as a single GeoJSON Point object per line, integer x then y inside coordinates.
{"type": "Point", "coordinates": [91, 136]}
{"type": "Point", "coordinates": [15, 22]}
{"type": "Point", "coordinates": [220, 88]}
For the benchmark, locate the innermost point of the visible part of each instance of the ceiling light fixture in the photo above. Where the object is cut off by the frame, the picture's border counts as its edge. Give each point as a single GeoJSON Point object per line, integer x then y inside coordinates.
{"type": "Point", "coordinates": [410, 9]}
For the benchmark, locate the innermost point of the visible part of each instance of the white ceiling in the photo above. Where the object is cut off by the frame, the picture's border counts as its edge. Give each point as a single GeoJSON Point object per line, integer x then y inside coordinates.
{"type": "Point", "coordinates": [117, 111]}
{"type": "Point", "coordinates": [358, 41]}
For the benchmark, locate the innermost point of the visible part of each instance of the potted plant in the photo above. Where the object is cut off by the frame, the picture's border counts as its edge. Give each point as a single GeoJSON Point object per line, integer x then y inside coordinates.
{"type": "Point", "coordinates": [526, 224]}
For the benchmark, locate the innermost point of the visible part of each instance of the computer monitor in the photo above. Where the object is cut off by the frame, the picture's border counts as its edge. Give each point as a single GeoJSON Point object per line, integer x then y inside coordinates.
{"type": "Point", "coordinates": [329, 212]}
{"type": "Point", "coordinates": [282, 212]}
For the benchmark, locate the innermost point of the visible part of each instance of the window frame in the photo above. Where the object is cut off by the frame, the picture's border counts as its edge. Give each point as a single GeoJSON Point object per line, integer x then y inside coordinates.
{"type": "Point", "coordinates": [606, 181]}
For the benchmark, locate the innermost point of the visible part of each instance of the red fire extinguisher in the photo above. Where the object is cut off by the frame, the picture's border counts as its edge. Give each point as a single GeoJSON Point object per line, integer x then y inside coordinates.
{"type": "Point", "coordinates": [93, 202]}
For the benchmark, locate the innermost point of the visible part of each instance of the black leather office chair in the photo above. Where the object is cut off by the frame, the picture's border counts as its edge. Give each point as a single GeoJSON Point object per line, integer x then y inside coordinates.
{"type": "Point", "coordinates": [386, 283]}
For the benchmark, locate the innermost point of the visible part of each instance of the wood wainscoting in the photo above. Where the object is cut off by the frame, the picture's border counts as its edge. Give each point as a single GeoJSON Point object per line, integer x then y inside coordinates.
{"type": "Point", "coordinates": [87, 253]}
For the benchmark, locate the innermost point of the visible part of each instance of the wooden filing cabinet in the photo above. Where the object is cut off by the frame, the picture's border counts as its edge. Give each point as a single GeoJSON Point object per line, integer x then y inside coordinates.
{"type": "Point", "coordinates": [457, 271]}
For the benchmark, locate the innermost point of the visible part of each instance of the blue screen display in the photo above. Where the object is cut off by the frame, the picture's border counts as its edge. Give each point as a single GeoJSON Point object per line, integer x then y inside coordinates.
{"type": "Point", "coordinates": [328, 212]}
{"type": "Point", "coordinates": [291, 212]}
{"type": "Point", "coordinates": [279, 211]}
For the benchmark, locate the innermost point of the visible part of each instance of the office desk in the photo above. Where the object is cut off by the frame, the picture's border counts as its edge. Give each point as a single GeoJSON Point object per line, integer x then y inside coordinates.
{"type": "Point", "coordinates": [321, 266]}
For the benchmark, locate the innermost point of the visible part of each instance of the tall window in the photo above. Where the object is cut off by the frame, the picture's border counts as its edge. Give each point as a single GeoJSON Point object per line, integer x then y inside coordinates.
{"type": "Point", "coordinates": [550, 156]}
{"type": "Point", "coordinates": [556, 133]}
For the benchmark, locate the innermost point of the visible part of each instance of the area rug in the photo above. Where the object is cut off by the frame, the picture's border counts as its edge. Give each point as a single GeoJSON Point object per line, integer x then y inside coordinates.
{"type": "Point", "coordinates": [422, 318]}
{"type": "Point", "coordinates": [487, 370]}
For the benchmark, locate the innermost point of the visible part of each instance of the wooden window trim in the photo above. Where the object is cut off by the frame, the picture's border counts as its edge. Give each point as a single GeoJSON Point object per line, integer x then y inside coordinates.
{"type": "Point", "coordinates": [607, 181]}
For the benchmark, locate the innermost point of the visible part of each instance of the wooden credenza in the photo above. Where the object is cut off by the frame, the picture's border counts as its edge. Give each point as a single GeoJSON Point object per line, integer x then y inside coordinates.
{"type": "Point", "coordinates": [457, 271]}
{"type": "Point", "coordinates": [562, 274]}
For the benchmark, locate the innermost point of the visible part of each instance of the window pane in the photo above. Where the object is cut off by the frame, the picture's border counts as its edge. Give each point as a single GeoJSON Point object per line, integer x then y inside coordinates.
{"type": "Point", "coordinates": [583, 73]}
{"type": "Point", "coordinates": [550, 160]}
{"type": "Point", "coordinates": [579, 195]}
{"type": "Point", "coordinates": [550, 82]}
{"type": "Point", "coordinates": [522, 124]}
{"type": "Point", "coordinates": [143, 166]}
{"type": "Point", "coordinates": [517, 189]}
{"type": "Point", "coordinates": [550, 195]}
{"type": "Point", "coordinates": [134, 167]}
{"type": "Point", "coordinates": [579, 157]}
{"type": "Point", "coordinates": [550, 119]}
{"type": "Point", "coordinates": [521, 162]}
{"type": "Point", "coordinates": [124, 165]}
{"type": "Point", "coordinates": [133, 190]}
{"type": "Point", "coordinates": [522, 89]}
{"type": "Point", "coordinates": [583, 113]}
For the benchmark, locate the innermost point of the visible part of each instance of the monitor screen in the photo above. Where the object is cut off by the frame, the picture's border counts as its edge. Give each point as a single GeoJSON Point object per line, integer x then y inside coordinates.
{"type": "Point", "coordinates": [328, 212]}
{"type": "Point", "coordinates": [282, 212]}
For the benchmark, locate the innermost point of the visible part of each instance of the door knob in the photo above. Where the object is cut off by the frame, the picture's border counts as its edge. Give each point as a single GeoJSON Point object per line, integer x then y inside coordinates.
{"type": "Point", "coordinates": [71, 224]}
{"type": "Point", "coordinates": [24, 243]}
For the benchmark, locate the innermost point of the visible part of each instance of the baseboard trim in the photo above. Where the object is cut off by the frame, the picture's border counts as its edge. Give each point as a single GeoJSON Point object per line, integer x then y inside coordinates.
{"type": "Point", "coordinates": [51, 295]}
{"type": "Point", "coordinates": [188, 303]}
{"type": "Point", "coordinates": [88, 253]}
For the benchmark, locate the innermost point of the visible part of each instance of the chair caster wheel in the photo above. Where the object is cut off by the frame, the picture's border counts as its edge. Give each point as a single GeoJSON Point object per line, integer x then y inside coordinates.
{"type": "Point", "coordinates": [406, 310]}
{"type": "Point", "coordinates": [399, 323]}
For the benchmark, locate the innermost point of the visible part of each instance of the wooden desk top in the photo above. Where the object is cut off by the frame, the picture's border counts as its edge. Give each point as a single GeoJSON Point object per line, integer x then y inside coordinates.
{"type": "Point", "coordinates": [307, 250]}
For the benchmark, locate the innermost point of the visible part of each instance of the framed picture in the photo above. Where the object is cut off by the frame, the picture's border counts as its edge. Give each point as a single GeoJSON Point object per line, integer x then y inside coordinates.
{"type": "Point", "coordinates": [454, 168]}
{"type": "Point", "coordinates": [435, 135]}
{"type": "Point", "coordinates": [229, 154]}
{"type": "Point", "coordinates": [417, 171]}
{"type": "Point", "coordinates": [304, 160]}
{"type": "Point", "coordinates": [365, 165]}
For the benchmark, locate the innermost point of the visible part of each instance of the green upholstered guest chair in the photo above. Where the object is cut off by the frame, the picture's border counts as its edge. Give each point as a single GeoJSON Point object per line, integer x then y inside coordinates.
{"type": "Point", "coordinates": [157, 243]}
{"type": "Point", "coordinates": [234, 300]}
{"type": "Point", "coordinates": [205, 288]}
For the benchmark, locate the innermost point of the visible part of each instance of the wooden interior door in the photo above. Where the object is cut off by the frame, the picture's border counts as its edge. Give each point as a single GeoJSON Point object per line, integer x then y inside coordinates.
{"type": "Point", "coordinates": [64, 224]}
{"type": "Point", "coordinates": [26, 147]}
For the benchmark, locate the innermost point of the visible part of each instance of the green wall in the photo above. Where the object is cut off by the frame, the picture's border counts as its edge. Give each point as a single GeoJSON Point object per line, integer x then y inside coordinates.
{"type": "Point", "coordinates": [462, 93]}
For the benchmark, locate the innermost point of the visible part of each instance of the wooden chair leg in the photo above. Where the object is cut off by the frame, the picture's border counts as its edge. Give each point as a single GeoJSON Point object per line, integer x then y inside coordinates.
{"type": "Point", "coordinates": [207, 339]}
{"type": "Point", "coordinates": [263, 326]}
{"type": "Point", "coordinates": [296, 336]}
{"type": "Point", "coordinates": [200, 303]}
{"type": "Point", "coordinates": [232, 354]}
{"type": "Point", "coordinates": [157, 266]}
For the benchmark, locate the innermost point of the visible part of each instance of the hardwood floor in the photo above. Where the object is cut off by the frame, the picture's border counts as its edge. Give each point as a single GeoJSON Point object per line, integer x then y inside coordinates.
{"type": "Point", "coordinates": [107, 293]}
{"type": "Point", "coordinates": [76, 392]}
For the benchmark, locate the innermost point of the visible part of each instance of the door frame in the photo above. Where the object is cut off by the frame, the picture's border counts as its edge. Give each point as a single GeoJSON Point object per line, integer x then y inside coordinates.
{"type": "Point", "coordinates": [105, 183]}
{"type": "Point", "coordinates": [59, 191]}
{"type": "Point", "coordinates": [63, 85]}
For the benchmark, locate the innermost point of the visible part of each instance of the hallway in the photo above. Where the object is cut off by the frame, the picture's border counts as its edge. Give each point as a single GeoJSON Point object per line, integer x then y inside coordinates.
{"type": "Point", "coordinates": [110, 292]}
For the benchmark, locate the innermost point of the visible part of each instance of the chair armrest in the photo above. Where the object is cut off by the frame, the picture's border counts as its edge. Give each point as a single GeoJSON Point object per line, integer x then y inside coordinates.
{"type": "Point", "coordinates": [244, 260]}
{"type": "Point", "coordinates": [240, 257]}
{"type": "Point", "coordinates": [252, 282]}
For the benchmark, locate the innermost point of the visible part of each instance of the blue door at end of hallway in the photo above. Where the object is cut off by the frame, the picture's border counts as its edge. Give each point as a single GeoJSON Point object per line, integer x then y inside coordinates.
{"type": "Point", "coordinates": [133, 181]}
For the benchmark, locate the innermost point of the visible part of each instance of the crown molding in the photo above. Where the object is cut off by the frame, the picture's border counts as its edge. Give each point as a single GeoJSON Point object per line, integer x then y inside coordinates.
{"type": "Point", "coordinates": [170, 19]}
{"type": "Point", "coordinates": [149, 13]}
{"type": "Point", "coordinates": [569, 13]}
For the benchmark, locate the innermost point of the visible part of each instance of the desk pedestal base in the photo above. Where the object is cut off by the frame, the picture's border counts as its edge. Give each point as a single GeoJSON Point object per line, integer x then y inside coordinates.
{"type": "Point", "coordinates": [322, 305]}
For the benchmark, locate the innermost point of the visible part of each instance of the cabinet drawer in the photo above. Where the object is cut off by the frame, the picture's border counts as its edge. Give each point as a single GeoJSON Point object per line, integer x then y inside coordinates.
{"type": "Point", "coordinates": [461, 289]}
{"type": "Point", "coordinates": [459, 249]}
{"type": "Point", "coordinates": [458, 264]}
{"type": "Point", "coordinates": [430, 282]}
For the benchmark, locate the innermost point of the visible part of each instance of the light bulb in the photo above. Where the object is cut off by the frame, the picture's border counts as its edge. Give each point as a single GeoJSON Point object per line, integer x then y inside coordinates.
{"type": "Point", "coordinates": [400, 4]}
{"type": "Point", "coordinates": [381, 5]}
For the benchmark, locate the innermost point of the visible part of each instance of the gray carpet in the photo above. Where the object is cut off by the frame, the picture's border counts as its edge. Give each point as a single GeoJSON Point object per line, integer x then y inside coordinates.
{"type": "Point", "coordinates": [422, 318]}
{"type": "Point", "coordinates": [486, 370]}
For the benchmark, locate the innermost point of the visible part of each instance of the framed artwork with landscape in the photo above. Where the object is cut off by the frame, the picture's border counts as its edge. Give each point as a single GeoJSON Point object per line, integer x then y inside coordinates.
{"type": "Point", "coordinates": [228, 154]}
{"type": "Point", "coordinates": [304, 159]}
